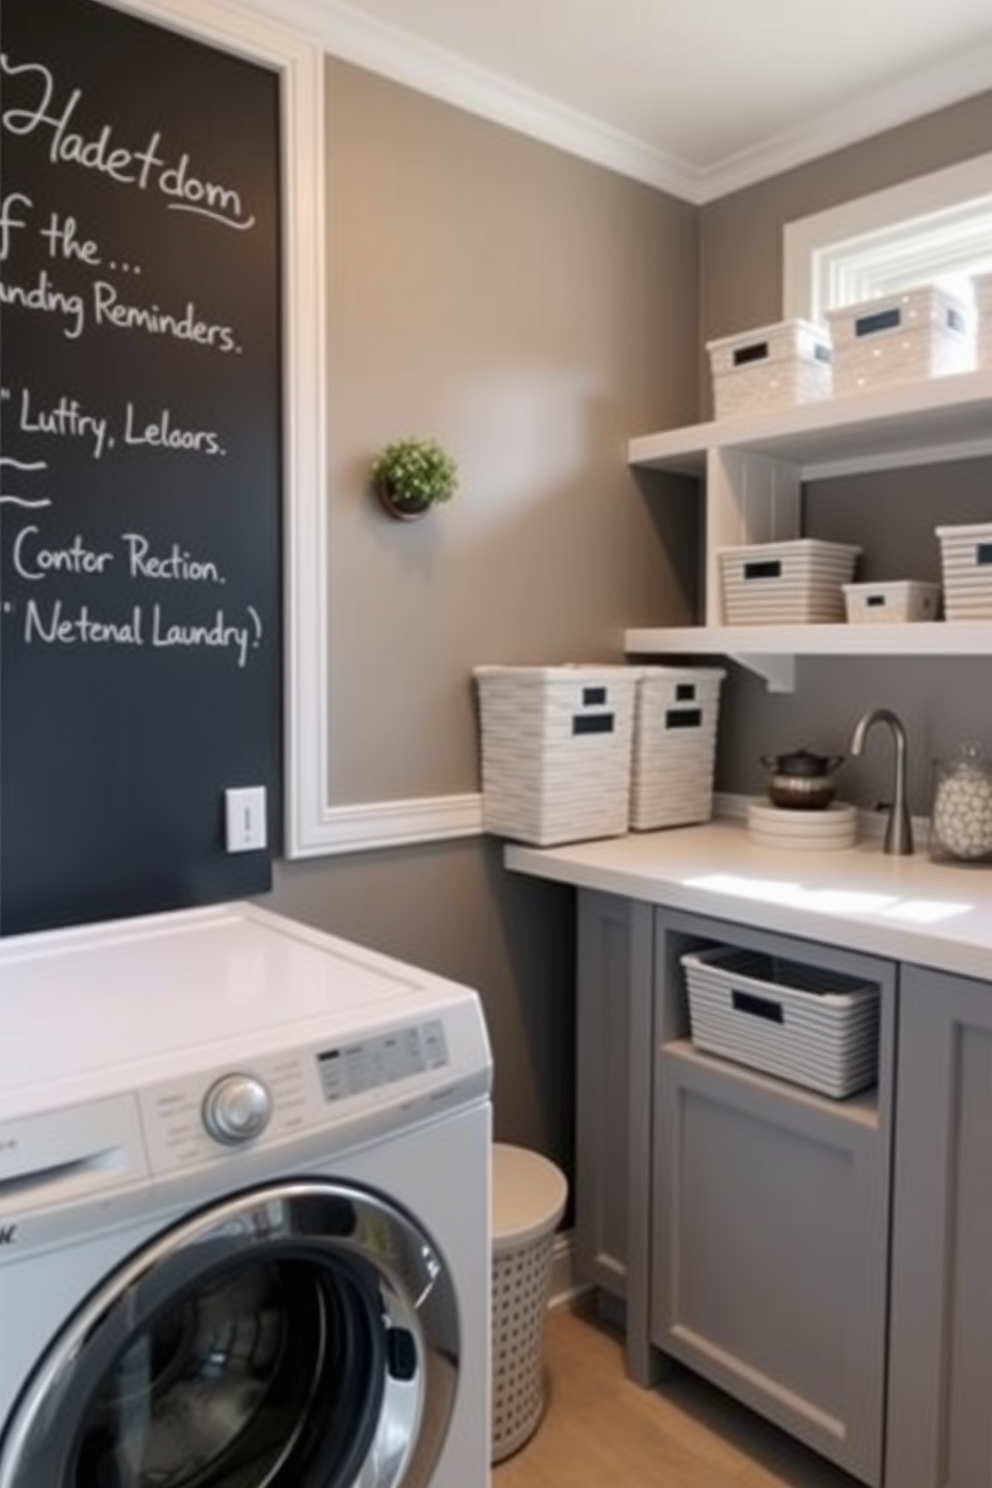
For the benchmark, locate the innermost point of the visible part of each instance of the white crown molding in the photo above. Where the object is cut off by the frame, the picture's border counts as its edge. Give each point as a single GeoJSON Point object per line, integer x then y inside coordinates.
{"type": "Point", "coordinates": [358, 38]}
{"type": "Point", "coordinates": [887, 109]}
{"type": "Point", "coordinates": [354, 37]}
{"type": "Point", "coordinates": [348, 34]}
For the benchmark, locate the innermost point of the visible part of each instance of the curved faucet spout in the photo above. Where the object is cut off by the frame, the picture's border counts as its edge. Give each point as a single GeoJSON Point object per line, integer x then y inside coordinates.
{"type": "Point", "coordinates": [899, 829]}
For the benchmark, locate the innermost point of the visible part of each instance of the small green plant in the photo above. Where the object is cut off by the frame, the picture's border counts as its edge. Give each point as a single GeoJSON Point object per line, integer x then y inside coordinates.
{"type": "Point", "coordinates": [415, 472]}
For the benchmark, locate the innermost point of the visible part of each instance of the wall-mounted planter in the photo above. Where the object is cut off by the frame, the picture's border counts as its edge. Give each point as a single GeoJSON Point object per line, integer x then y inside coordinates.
{"type": "Point", "coordinates": [412, 475]}
{"type": "Point", "coordinates": [402, 508]}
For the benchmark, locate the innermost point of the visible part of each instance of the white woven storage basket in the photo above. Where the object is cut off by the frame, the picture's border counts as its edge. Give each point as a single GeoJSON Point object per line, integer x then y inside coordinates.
{"type": "Point", "coordinates": [922, 332]}
{"type": "Point", "coordinates": [674, 747]}
{"type": "Point", "coordinates": [529, 1195]}
{"type": "Point", "coordinates": [966, 562]}
{"type": "Point", "coordinates": [802, 1023]}
{"type": "Point", "coordinates": [795, 582]}
{"type": "Point", "coordinates": [556, 745]}
{"type": "Point", "coordinates": [773, 367]}
{"type": "Point", "coordinates": [892, 602]}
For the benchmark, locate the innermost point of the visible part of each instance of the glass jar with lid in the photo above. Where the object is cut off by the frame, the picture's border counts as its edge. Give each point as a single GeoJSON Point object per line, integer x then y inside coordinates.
{"type": "Point", "coordinates": [961, 816]}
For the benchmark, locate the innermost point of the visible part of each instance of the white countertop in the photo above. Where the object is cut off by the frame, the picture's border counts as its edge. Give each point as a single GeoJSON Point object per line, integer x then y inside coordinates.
{"type": "Point", "coordinates": [905, 908]}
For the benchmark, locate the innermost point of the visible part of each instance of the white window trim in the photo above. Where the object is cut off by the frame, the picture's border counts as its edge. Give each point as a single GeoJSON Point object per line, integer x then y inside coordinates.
{"type": "Point", "coordinates": [914, 230]}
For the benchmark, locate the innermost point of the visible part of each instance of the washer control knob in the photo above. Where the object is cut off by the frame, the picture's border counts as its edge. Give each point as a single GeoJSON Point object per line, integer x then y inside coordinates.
{"type": "Point", "coordinates": [236, 1108]}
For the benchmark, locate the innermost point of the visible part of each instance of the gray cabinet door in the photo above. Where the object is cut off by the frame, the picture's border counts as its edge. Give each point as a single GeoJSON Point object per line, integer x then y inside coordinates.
{"type": "Point", "coordinates": [602, 1032]}
{"type": "Point", "coordinates": [940, 1369]}
{"type": "Point", "coordinates": [614, 1011]}
{"type": "Point", "coordinates": [770, 1244]}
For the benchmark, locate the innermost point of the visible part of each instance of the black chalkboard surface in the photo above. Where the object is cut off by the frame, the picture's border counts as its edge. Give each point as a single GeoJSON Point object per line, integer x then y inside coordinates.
{"type": "Point", "coordinates": [140, 464]}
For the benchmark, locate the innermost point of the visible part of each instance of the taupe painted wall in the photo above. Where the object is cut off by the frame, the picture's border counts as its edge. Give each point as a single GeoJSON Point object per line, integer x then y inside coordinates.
{"type": "Point", "coordinates": [532, 311]}
{"type": "Point", "coordinates": [892, 517]}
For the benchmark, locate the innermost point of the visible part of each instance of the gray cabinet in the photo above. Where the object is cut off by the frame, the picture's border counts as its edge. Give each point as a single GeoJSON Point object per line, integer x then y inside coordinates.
{"type": "Point", "coordinates": [770, 1218]}
{"type": "Point", "coordinates": [827, 1262]}
{"type": "Point", "coordinates": [940, 1371]}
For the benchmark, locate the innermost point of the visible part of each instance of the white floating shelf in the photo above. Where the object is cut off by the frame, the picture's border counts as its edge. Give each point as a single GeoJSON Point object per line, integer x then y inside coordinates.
{"type": "Point", "coordinates": [753, 469]}
{"type": "Point", "coordinates": [769, 650]}
{"type": "Point", "coordinates": [916, 423]}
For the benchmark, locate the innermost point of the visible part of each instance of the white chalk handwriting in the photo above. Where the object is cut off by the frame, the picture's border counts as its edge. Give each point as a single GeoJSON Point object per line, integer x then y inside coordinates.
{"type": "Point", "coordinates": [27, 468]}
{"type": "Point", "coordinates": [42, 109]}
{"type": "Point", "coordinates": [35, 559]}
{"type": "Point", "coordinates": [57, 624]}
{"type": "Point", "coordinates": [67, 418]}
{"type": "Point", "coordinates": [109, 310]}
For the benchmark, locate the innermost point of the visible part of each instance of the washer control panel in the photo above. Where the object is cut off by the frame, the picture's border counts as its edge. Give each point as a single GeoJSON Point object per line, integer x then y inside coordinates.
{"type": "Point", "coordinates": [194, 1119]}
{"type": "Point", "coordinates": [382, 1059]}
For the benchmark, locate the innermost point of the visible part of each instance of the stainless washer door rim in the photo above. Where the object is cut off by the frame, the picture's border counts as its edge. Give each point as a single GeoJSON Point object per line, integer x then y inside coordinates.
{"type": "Point", "coordinates": [333, 1226]}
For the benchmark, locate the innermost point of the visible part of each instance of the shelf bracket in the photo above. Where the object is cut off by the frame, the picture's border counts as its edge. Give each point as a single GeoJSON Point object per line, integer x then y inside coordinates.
{"type": "Point", "coordinates": [778, 671]}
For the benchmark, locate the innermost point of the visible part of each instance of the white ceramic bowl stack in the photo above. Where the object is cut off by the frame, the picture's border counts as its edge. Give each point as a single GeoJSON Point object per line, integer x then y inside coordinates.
{"type": "Point", "coordinates": [833, 826]}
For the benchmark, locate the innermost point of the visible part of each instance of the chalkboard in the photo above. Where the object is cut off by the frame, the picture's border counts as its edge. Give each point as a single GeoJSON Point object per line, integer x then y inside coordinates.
{"type": "Point", "coordinates": [140, 464]}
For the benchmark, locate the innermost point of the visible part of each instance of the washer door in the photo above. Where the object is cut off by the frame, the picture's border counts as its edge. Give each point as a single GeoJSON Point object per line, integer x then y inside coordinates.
{"type": "Point", "coordinates": [301, 1335]}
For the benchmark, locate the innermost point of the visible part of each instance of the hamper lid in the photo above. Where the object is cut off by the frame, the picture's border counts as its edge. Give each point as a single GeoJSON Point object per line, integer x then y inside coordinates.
{"type": "Point", "coordinates": [528, 1193]}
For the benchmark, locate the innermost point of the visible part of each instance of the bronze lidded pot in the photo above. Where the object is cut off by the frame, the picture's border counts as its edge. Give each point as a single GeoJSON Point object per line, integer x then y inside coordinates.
{"type": "Point", "coordinates": [802, 780]}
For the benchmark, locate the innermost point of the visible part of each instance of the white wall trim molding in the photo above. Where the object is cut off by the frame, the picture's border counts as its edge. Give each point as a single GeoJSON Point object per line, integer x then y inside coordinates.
{"type": "Point", "coordinates": [379, 824]}
{"type": "Point", "coordinates": [314, 826]}
{"type": "Point", "coordinates": [299, 61]}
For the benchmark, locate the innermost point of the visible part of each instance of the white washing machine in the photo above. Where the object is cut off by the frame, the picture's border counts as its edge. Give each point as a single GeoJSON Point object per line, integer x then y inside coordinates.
{"type": "Point", "coordinates": [244, 1211]}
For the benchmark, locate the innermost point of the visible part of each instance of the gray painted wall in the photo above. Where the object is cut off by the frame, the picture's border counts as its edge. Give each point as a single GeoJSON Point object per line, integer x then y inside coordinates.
{"type": "Point", "coordinates": [892, 516]}
{"type": "Point", "coordinates": [534, 311]}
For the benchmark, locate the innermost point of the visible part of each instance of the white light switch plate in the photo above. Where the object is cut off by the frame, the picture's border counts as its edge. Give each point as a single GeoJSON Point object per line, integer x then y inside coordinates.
{"type": "Point", "coordinates": [245, 818]}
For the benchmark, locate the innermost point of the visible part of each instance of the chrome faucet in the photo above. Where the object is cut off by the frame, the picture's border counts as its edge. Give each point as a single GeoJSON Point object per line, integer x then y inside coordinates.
{"type": "Point", "coordinates": [899, 829]}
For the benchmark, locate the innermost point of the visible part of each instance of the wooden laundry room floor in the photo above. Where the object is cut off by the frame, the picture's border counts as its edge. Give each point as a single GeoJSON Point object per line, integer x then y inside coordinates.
{"type": "Point", "coordinates": [601, 1431]}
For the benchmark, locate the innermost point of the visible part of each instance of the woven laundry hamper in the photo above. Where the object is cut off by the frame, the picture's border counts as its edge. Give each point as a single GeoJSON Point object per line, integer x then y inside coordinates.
{"type": "Point", "coordinates": [529, 1195]}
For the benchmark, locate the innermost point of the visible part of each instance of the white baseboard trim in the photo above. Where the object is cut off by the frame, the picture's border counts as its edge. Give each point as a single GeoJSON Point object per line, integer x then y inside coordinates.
{"type": "Point", "coordinates": [565, 1284]}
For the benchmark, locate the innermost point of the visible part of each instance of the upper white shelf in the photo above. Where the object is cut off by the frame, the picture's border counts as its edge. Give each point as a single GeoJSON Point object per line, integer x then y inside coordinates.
{"type": "Point", "coordinates": [754, 468]}
{"type": "Point", "coordinates": [917, 423]}
{"type": "Point", "coordinates": [771, 650]}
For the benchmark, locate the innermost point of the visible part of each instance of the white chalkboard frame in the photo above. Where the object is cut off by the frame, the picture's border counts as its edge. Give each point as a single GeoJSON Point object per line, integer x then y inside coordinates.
{"type": "Point", "coordinates": [314, 825]}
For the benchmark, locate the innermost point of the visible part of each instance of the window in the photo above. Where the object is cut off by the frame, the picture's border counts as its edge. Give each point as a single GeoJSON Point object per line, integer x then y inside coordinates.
{"type": "Point", "coordinates": [934, 228]}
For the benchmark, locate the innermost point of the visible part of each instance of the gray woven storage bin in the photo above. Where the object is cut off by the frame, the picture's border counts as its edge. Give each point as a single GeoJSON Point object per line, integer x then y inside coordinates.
{"type": "Point", "coordinates": [815, 1027]}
